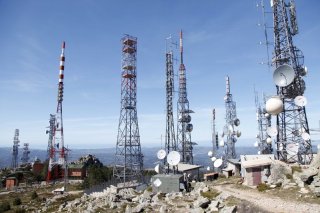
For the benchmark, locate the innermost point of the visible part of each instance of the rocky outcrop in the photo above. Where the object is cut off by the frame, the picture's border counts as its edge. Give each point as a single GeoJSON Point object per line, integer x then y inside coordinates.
{"type": "Point", "coordinates": [128, 200]}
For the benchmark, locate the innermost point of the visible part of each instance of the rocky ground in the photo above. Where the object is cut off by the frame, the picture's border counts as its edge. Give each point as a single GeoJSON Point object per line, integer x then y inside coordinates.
{"type": "Point", "coordinates": [224, 195]}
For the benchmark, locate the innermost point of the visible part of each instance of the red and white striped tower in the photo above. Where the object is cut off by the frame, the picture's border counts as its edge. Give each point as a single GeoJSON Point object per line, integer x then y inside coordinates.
{"type": "Point", "coordinates": [58, 141]}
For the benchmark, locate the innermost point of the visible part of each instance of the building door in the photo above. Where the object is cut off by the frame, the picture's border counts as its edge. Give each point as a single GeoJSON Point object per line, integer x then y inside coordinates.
{"type": "Point", "coordinates": [256, 176]}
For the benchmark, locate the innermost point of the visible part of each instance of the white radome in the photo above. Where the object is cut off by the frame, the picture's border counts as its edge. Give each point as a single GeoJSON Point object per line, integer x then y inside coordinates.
{"type": "Point", "coordinates": [256, 144]}
{"type": "Point", "coordinates": [269, 140]}
{"type": "Point", "coordinates": [274, 105]}
{"type": "Point", "coordinates": [208, 168]}
{"type": "Point", "coordinates": [213, 159]}
{"type": "Point", "coordinates": [210, 153]}
{"type": "Point", "coordinates": [221, 143]}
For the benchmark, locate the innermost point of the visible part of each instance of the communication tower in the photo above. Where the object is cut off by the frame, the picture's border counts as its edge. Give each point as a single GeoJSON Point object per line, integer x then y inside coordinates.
{"type": "Point", "coordinates": [215, 143]}
{"type": "Point", "coordinates": [264, 141]}
{"type": "Point", "coordinates": [184, 128]}
{"type": "Point", "coordinates": [128, 158]}
{"type": "Point", "coordinates": [16, 141]}
{"type": "Point", "coordinates": [293, 141]}
{"type": "Point", "coordinates": [25, 154]}
{"type": "Point", "coordinates": [57, 144]}
{"type": "Point", "coordinates": [170, 139]}
{"type": "Point", "coordinates": [51, 128]}
{"type": "Point", "coordinates": [231, 122]}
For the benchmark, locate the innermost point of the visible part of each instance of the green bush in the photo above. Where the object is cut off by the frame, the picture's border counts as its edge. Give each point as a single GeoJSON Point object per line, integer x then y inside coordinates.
{"type": "Point", "coordinates": [34, 195]}
{"type": "Point", "coordinates": [5, 206]}
{"type": "Point", "coordinates": [296, 169]}
{"type": "Point", "coordinates": [20, 210]}
{"type": "Point", "coordinates": [262, 187]}
{"type": "Point", "coordinates": [16, 201]}
{"type": "Point", "coordinates": [289, 176]}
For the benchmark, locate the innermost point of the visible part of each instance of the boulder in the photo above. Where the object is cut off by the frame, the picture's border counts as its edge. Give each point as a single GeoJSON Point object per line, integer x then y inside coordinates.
{"type": "Point", "coordinates": [201, 202]}
{"type": "Point", "coordinates": [229, 209]}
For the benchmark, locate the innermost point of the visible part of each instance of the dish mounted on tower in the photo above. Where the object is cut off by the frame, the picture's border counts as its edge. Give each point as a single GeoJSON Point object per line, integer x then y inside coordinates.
{"type": "Point", "coordinates": [231, 123]}
{"type": "Point", "coordinates": [57, 141]}
{"type": "Point", "coordinates": [184, 129]}
{"type": "Point", "coordinates": [289, 104]}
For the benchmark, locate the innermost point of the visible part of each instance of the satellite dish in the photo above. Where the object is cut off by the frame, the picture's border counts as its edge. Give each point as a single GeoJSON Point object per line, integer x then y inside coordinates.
{"type": "Point", "coordinates": [269, 140]}
{"type": "Point", "coordinates": [157, 168]}
{"type": "Point", "coordinates": [281, 147]}
{"type": "Point", "coordinates": [300, 101]}
{"type": "Point", "coordinates": [274, 105]}
{"type": "Point", "coordinates": [302, 130]}
{"type": "Point", "coordinates": [173, 158]}
{"type": "Point", "coordinates": [303, 71]}
{"type": "Point", "coordinates": [217, 163]}
{"type": "Point", "coordinates": [221, 143]}
{"type": "Point", "coordinates": [305, 136]}
{"type": "Point", "coordinates": [238, 133]}
{"type": "Point", "coordinates": [267, 115]}
{"type": "Point", "coordinates": [189, 127]}
{"type": "Point", "coordinates": [213, 159]}
{"type": "Point", "coordinates": [272, 131]}
{"type": "Point", "coordinates": [208, 168]}
{"type": "Point", "coordinates": [210, 153]}
{"type": "Point", "coordinates": [318, 146]}
{"type": "Point", "coordinates": [161, 154]}
{"type": "Point", "coordinates": [283, 75]}
{"type": "Point", "coordinates": [157, 182]}
{"type": "Point", "coordinates": [257, 136]}
{"type": "Point", "coordinates": [259, 152]}
{"type": "Point", "coordinates": [236, 122]}
{"type": "Point", "coordinates": [256, 144]}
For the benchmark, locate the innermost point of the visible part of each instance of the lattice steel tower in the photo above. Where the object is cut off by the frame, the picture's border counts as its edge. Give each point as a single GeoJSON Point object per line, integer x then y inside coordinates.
{"type": "Point", "coordinates": [25, 154]}
{"type": "Point", "coordinates": [128, 158]}
{"type": "Point", "coordinates": [16, 141]}
{"type": "Point", "coordinates": [51, 130]}
{"type": "Point", "coordinates": [292, 144]}
{"type": "Point", "coordinates": [58, 137]}
{"type": "Point", "coordinates": [184, 128]}
{"type": "Point", "coordinates": [170, 139]}
{"type": "Point", "coordinates": [231, 122]}
{"type": "Point", "coordinates": [264, 142]}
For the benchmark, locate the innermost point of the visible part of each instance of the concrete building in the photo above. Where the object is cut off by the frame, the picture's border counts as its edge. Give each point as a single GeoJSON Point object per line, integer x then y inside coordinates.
{"type": "Point", "coordinates": [233, 168]}
{"type": "Point", "coordinates": [255, 169]}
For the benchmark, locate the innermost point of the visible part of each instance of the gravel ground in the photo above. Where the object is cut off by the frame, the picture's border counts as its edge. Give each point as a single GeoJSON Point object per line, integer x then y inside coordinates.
{"type": "Point", "coordinates": [267, 203]}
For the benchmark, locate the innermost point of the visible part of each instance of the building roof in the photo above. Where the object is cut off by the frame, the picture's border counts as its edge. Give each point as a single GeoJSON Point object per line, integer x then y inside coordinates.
{"type": "Point", "coordinates": [256, 163]}
{"type": "Point", "coordinates": [75, 166]}
{"type": "Point", "coordinates": [234, 161]}
{"type": "Point", "coordinates": [183, 167]}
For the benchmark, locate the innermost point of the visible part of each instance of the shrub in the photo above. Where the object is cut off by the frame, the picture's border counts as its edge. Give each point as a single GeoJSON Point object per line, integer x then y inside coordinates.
{"type": "Point", "coordinates": [262, 187]}
{"type": "Point", "coordinates": [5, 206]}
{"type": "Point", "coordinates": [289, 176]}
{"type": "Point", "coordinates": [296, 169]}
{"type": "Point", "coordinates": [34, 195]}
{"type": "Point", "coordinates": [211, 194]}
{"type": "Point", "coordinates": [20, 210]}
{"type": "Point", "coordinates": [16, 201]}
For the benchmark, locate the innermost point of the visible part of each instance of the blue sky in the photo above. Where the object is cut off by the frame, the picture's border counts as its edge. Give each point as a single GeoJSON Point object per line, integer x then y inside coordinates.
{"type": "Point", "coordinates": [219, 39]}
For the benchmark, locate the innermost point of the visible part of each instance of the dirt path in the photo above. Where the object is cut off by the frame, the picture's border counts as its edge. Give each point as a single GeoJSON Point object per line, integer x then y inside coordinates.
{"type": "Point", "coordinates": [267, 203]}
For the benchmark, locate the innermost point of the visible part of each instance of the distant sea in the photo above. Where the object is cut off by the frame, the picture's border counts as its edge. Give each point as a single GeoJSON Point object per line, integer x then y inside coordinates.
{"type": "Point", "coordinates": [106, 155]}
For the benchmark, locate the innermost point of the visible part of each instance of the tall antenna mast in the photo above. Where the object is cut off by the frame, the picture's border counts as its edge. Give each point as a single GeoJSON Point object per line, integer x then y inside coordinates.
{"type": "Point", "coordinates": [15, 149]}
{"type": "Point", "coordinates": [184, 128]}
{"type": "Point", "coordinates": [170, 139]}
{"type": "Point", "coordinates": [264, 142]}
{"type": "Point", "coordinates": [231, 122]}
{"type": "Point", "coordinates": [215, 144]}
{"type": "Point", "coordinates": [293, 139]}
{"type": "Point", "coordinates": [58, 138]}
{"type": "Point", "coordinates": [128, 158]}
{"type": "Point", "coordinates": [51, 130]}
{"type": "Point", "coordinates": [25, 154]}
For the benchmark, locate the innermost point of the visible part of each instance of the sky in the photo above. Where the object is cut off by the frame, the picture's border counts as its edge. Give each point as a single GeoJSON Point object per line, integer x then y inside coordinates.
{"type": "Point", "coordinates": [220, 38]}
